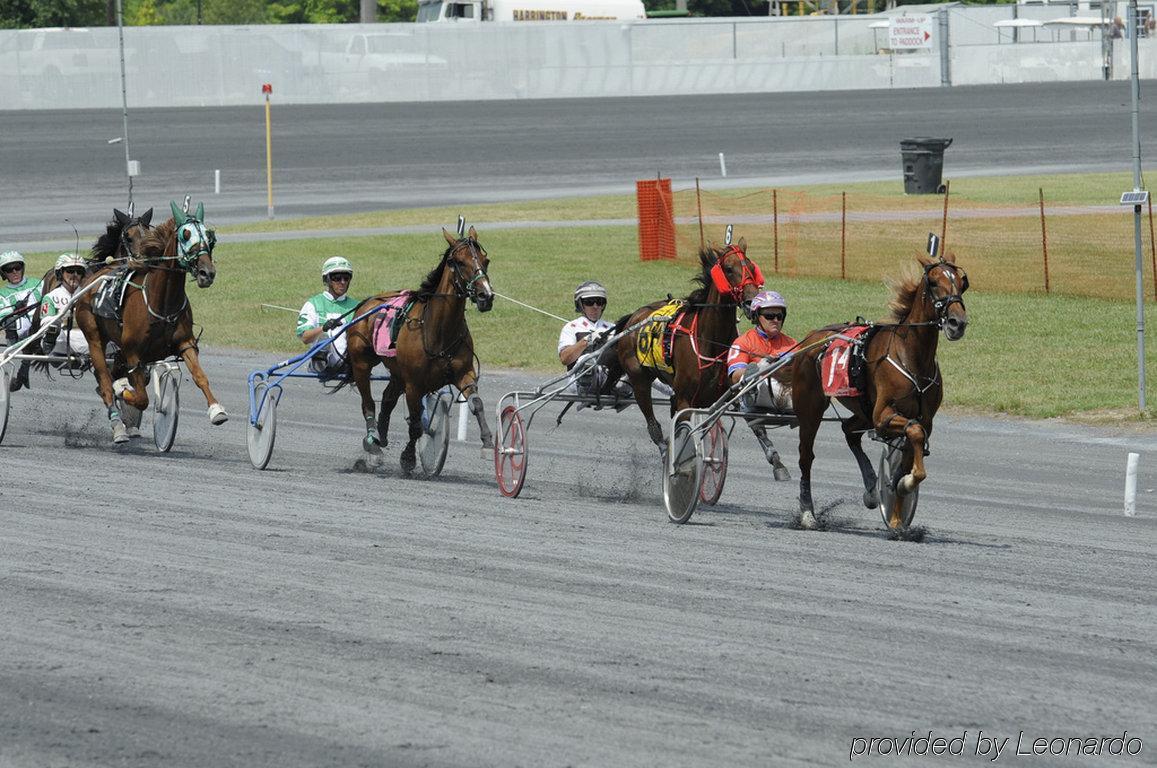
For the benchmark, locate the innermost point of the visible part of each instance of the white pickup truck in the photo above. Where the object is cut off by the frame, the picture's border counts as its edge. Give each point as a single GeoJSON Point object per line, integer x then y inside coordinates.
{"type": "Point", "coordinates": [528, 10]}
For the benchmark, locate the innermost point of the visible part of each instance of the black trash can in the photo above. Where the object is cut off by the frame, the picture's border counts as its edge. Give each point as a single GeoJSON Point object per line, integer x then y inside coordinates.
{"type": "Point", "coordinates": [923, 165]}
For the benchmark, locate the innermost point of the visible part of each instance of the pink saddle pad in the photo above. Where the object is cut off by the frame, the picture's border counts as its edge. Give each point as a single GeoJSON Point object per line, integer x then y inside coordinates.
{"type": "Point", "coordinates": [385, 324]}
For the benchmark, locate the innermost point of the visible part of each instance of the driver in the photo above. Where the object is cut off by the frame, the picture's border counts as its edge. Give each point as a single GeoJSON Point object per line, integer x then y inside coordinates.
{"type": "Point", "coordinates": [17, 291]}
{"type": "Point", "coordinates": [584, 333]}
{"type": "Point", "coordinates": [326, 313]}
{"type": "Point", "coordinates": [70, 271]}
{"type": "Point", "coordinates": [765, 342]}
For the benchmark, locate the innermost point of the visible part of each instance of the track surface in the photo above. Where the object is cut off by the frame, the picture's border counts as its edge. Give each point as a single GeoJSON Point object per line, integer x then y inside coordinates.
{"type": "Point", "coordinates": [187, 610]}
{"type": "Point", "coordinates": [330, 159]}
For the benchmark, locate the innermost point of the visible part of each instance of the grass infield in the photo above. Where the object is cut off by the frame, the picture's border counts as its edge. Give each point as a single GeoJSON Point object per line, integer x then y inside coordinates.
{"type": "Point", "coordinates": [1026, 354]}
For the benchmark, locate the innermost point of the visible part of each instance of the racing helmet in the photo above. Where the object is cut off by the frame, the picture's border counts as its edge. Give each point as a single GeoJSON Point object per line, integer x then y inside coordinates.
{"type": "Point", "coordinates": [767, 299]}
{"type": "Point", "coordinates": [336, 264]}
{"type": "Point", "coordinates": [11, 257]}
{"type": "Point", "coordinates": [588, 290]}
{"type": "Point", "coordinates": [67, 260]}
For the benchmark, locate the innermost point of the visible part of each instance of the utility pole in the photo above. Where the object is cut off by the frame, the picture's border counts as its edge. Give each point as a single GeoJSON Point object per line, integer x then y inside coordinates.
{"type": "Point", "coordinates": [369, 11]}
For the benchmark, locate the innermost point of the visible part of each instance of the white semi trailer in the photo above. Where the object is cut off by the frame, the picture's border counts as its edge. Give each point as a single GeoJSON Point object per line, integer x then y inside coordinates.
{"type": "Point", "coordinates": [528, 10]}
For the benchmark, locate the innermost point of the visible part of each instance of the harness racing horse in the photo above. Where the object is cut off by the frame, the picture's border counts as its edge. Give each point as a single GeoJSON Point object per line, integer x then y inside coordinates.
{"type": "Point", "coordinates": [902, 384]}
{"type": "Point", "coordinates": [699, 333]}
{"type": "Point", "coordinates": [155, 320]}
{"type": "Point", "coordinates": [433, 344]}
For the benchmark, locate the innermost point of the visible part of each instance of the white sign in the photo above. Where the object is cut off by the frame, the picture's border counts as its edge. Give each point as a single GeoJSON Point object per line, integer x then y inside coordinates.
{"type": "Point", "coordinates": [907, 32]}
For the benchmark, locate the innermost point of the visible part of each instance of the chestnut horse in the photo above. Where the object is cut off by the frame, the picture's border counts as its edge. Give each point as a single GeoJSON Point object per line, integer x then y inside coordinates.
{"type": "Point", "coordinates": [701, 334]}
{"type": "Point", "coordinates": [156, 320]}
{"type": "Point", "coordinates": [902, 387]}
{"type": "Point", "coordinates": [434, 346]}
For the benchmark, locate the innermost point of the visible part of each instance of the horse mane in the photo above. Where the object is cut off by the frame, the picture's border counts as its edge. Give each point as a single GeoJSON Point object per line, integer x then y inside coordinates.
{"type": "Point", "coordinates": [703, 279]}
{"type": "Point", "coordinates": [106, 245]}
{"type": "Point", "coordinates": [905, 291]}
{"type": "Point", "coordinates": [430, 283]}
{"type": "Point", "coordinates": [161, 239]}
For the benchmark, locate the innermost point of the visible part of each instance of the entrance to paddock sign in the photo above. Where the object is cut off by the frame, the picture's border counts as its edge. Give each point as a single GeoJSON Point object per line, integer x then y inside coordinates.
{"type": "Point", "coordinates": [656, 219]}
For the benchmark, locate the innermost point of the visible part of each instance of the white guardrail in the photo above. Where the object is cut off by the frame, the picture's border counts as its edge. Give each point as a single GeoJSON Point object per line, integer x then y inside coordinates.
{"type": "Point", "coordinates": [309, 64]}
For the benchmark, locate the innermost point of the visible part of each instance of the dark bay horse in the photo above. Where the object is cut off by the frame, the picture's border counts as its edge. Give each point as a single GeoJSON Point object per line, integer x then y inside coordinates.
{"type": "Point", "coordinates": [123, 239]}
{"type": "Point", "coordinates": [155, 319]}
{"type": "Point", "coordinates": [434, 346]}
{"type": "Point", "coordinates": [701, 331]}
{"type": "Point", "coordinates": [903, 387]}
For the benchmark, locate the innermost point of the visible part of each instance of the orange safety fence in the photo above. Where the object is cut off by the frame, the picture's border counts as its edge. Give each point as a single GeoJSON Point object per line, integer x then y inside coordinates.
{"type": "Point", "coordinates": [865, 237]}
{"type": "Point", "coordinates": [656, 219]}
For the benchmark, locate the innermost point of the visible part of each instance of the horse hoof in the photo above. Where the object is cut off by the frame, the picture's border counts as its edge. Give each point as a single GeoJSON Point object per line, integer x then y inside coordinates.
{"type": "Point", "coordinates": [488, 442]}
{"type": "Point", "coordinates": [872, 499]}
{"type": "Point", "coordinates": [133, 431]}
{"type": "Point", "coordinates": [408, 463]}
{"type": "Point", "coordinates": [217, 415]}
{"type": "Point", "coordinates": [807, 520]}
{"type": "Point", "coordinates": [120, 433]}
{"type": "Point", "coordinates": [780, 473]}
{"type": "Point", "coordinates": [370, 445]}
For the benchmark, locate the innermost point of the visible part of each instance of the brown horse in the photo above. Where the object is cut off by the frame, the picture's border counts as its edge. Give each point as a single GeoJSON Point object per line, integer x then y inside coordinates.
{"type": "Point", "coordinates": [155, 319]}
{"type": "Point", "coordinates": [700, 333]}
{"type": "Point", "coordinates": [434, 347]}
{"type": "Point", "coordinates": [902, 384]}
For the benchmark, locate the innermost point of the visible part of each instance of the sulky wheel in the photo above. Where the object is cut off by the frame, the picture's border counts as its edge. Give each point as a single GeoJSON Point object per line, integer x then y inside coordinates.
{"type": "Point", "coordinates": [262, 426]}
{"type": "Point", "coordinates": [681, 473]}
{"type": "Point", "coordinates": [890, 462]}
{"type": "Point", "coordinates": [714, 464]}
{"type": "Point", "coordinates": [5, 398]}
{"type": "Point", "coordinates": [510, 452]}
{"type": "Point", "coordinates": [435, 440]}
{"type": "Point", "coordinates": [166, 408]}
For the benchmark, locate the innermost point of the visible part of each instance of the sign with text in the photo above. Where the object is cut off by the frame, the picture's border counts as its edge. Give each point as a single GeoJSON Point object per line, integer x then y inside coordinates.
{"type": "Point", "coordinates": [910, 31]}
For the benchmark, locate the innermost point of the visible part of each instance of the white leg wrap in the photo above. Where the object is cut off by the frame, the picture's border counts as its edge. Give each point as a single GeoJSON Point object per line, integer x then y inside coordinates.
{"type": "Point", "coordinates": [217, 414]}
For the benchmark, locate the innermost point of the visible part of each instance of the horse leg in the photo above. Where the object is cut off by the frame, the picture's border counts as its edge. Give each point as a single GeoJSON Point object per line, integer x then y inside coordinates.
{"type": "Point", "coordinates": [360, 370]}
{"type": "Point", "coordinates": [912, 472]}
{"type": "Point", "coordinates": [854, 439]}
{"type": "Point", "coordinates": [642, 388]}
{"type": "Point", "coordinates": [468, 385]}
{"type": "Point", "coordinates": [217, 413]}
{"type": "Point", "coordinates": [409, 458]}
{"type": "Point", "coordinates": [390, 397]}
{"type": "Point", "coordinates": [778, 470]}
{"type": "Point", "coordinates": [133, 392]}
{"type": "Point", "coordinates": [105, 389]}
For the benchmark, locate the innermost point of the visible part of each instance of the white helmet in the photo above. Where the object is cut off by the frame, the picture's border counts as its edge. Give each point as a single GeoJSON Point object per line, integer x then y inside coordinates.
{"type": "Point", "coordinates": [67, 260]}
{"type": "Point", "coordinates": [11, 257]}
{"type": "Point", "coordinates": [336, 264]}
{"type": "Point", "coordinates": [588, 290]}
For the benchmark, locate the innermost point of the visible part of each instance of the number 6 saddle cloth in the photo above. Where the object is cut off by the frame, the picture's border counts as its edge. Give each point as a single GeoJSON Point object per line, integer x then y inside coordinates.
{"type": "Point", "coordinates": [653, 341]}
{"type": "Point", "coordinates": [842, 361]}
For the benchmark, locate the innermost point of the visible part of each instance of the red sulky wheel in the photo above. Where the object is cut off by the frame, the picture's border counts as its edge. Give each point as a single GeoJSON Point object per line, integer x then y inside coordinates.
{"type": "Point", "coordinates": [714, 464]}
{"type": "Point", "coordinates": [510, 452]}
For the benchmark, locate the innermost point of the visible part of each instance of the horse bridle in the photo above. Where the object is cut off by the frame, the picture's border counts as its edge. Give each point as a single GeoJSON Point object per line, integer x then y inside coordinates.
{"type": "Point", "coordinates": [942, 303]}
{"type": "Point", "coordinates": [467, 289]}
{"type": "Point", "coordinates": [751, 275]}
{"type": "Point", "coordinates": [125, 242]}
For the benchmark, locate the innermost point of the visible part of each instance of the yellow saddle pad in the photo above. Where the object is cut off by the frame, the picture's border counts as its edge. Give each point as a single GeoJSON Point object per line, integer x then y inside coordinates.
{"type": "Point", "coordinates": [649, 347]}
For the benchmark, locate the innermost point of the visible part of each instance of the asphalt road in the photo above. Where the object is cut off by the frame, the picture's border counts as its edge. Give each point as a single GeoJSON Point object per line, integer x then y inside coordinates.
{"type": "Point", "coordinates": [328, 159]}
{"type": "Point", "coordinates": [187, 610]}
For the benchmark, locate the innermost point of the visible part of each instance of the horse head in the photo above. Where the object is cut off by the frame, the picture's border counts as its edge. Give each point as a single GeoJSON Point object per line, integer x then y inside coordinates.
{"type": "Point", "coordinates": [469, 262]}
{"type": "Point", "coordinates": [734, 276]}
{"type": "Point", "coordinates": [944, 286]}
{"type": "Point", "coordinates": [195, 243]}
{"type": "Point", "coordinates": [124, 236]}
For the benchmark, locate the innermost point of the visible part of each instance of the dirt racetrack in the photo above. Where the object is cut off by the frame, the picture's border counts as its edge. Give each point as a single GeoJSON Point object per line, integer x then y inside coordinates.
{"type": "Point", "coordinates": [187, 610]}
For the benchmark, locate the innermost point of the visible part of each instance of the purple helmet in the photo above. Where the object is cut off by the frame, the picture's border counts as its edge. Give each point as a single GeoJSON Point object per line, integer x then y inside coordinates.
{"type": "Point", "coordinates": [767, 299]}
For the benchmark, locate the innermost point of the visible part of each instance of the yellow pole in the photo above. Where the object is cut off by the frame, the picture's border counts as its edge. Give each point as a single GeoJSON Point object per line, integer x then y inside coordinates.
{"type": "Point", "coordinates": [267, 89]}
